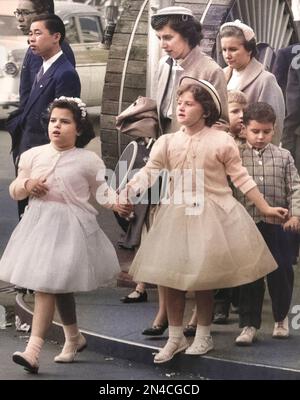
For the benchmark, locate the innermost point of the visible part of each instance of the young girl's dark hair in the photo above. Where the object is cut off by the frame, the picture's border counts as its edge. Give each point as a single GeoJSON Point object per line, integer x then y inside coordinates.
{"type": "Point", "coordinates": [260, 112]}
{"type": "Point", "coordinates": [187, 26]}
{"type": "Point", "coordinates": [230, 31]}
{"type": "Point", "coordinates": [205, 99]}
{"type": "Point", "coordinates": [83, 124]}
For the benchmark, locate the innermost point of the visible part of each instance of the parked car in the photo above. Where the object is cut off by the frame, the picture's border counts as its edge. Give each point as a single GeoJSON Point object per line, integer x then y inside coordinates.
{"type": "Point", "coordinates": [84, 32]}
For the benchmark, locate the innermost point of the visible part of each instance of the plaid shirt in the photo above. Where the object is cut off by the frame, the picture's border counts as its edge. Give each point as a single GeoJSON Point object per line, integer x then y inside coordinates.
{"type": "Point", "coordinates": [276, 176]}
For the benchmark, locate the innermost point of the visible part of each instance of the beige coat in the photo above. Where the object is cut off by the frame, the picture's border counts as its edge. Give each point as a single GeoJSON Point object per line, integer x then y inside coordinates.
{"type": "Point", "coordinates": [260, 85]}
{"type": "Point", "coordinates": [196, 65]}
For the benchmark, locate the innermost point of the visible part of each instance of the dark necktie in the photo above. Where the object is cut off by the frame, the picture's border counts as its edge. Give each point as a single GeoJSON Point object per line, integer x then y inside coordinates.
{"type": "Point", "coordinates": [40, 74]}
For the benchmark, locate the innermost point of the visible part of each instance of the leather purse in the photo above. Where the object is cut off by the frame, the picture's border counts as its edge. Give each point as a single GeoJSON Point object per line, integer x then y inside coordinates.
{"type": "Point", "coordinates": [140, 119]}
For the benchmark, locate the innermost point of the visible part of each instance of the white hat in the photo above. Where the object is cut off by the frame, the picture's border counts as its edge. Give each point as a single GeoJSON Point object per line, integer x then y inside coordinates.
{"type": "Point", "coordinates": [187, 80]}
{"type": "Point", "coordinates": [174, 10]}
{"type": "Point", "coordinates": [247, 30]}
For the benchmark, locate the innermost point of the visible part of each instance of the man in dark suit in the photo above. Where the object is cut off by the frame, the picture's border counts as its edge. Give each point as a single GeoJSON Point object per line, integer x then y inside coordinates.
{"type": "Point", "coordinates": [57, 77]}
{"type": "Point", "coordinates": [25, 12]}
{"type": "Point", "coordinates": [291, 130]}
{"type": "Point", "coordinates": [284, 58]}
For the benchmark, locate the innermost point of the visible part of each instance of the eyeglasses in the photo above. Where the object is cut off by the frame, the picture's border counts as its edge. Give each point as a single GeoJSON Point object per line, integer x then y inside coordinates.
{"type": "Point", "coordinates": [23, 13]}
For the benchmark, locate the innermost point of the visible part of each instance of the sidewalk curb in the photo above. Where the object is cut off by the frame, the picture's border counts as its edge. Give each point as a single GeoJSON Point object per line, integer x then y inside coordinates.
{"type": "Point", "coordinates": [206, 366]}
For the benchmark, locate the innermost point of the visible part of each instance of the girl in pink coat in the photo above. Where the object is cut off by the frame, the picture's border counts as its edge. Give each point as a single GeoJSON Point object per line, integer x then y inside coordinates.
{"type": "Point", "coordinates": [195, 242]}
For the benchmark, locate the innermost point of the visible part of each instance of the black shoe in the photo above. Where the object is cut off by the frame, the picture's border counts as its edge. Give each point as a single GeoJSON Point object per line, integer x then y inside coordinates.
{"type": "Point", "coordinates": [155, 330]}
{"type": "Point", "coordinates": [141, 298]}
{"type": "Point", "coordinates": [220, 318]}
{"type": "Point", "coordinates": [190, 330]}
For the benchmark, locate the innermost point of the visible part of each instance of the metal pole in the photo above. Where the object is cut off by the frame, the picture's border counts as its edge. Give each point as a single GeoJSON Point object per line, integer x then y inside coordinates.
{"type": "Point", "coordinates": [125, 68]}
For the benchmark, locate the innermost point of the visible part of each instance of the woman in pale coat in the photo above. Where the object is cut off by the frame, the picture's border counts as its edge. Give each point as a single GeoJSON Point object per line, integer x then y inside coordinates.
{"type": "Point", "coordinates": [180, 35]}
{"type": "Point", "coordinates": [248, 75]}
{"type": "Point", "coordinates": [172, 255]}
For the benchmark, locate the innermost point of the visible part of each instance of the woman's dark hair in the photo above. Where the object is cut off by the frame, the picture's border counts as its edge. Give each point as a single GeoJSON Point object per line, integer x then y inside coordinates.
{"type": "Point", "coordinates": [53, 23]}
{"type": "Point", "coordinates": [83, 124]}
{"type": "Point", "coordinates": [205, 99]}
{"type": "Point", "coordinates": [260, 112]}
{"type": "Point", "coordinates": [230, 31]}
{"type": "Point", "coordinates": [187, 26]}
{"type": "Point", "coordinates": [43, 6]}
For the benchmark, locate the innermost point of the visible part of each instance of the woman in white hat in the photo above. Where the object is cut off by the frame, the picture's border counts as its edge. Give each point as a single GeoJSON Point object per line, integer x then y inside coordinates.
{"type": "Point", "coordinates": [180, 34]}
{"type": "Point", "coordinates": [191, 245]}
{"type": "Point", "coordinates": [248, 75]}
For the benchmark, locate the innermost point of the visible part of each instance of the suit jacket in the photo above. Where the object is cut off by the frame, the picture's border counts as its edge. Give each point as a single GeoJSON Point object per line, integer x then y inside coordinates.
{"type": "Point", "coordinates": [291, 131]}
{"type": "Point", "coordinates": [282, 64]}
{"type": "Point", "coordinates": [26, 128]}
{"type": "Point", "coordinates": [31, 65]}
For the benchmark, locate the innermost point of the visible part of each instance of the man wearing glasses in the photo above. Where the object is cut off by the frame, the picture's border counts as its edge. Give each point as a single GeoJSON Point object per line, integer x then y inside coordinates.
{"type": "Point", "coordinates": [25, 12]}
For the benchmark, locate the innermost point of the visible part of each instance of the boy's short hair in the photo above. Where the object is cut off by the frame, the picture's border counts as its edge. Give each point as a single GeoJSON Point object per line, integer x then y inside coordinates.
{"type": "Point", "coordinates": [236, 96]}
{"type": "Point", "coordinates": [260, 112]}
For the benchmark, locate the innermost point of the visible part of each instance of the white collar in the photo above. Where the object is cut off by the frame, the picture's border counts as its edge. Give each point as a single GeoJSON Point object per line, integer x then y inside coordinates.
{"type": "Point", "coordinates": [47, 64]}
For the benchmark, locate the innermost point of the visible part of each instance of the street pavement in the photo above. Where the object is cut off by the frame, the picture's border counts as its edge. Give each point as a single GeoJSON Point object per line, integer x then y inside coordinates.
{"type": "Point", "coordinates": [118, 325]}
{"type": "Point", "coordinates": [90, 366]}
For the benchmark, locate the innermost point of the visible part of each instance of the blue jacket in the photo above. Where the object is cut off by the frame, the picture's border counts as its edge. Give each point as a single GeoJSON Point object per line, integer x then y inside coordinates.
{"type": "Point", "coordinates": [26, 126]}
{"type": "Point", "coordinates": [31, 65]}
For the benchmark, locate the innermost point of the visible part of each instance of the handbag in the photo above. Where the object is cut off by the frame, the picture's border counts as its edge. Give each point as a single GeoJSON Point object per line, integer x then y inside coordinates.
{"type": "Point", "coordinates": [140, 119]}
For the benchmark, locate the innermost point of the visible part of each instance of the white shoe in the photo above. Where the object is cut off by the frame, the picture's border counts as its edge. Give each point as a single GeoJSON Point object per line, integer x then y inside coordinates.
{"type": "Point", "coordinates": [200, 346]}
{"type": "Point", "coordinates": [27, 361]}
{"type": "Point", "coordinates": [70, 350]}
{"type": "Point", "coordinates": [170, 349]}
{"type": "Point", "coordinates": [246, 337]}
{"type": "Point", "coordinates": [281, 329]}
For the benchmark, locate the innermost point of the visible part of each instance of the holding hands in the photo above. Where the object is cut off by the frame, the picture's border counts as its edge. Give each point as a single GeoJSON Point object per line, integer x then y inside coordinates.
{"type": "Point", "coordinates": [123, 206]}
{"type": "Point", "coordinates": [292, 225]}
{"type": "Point", "coordinates": [124, 210]}
{"type": "Point", "coordinates": [36, 187]}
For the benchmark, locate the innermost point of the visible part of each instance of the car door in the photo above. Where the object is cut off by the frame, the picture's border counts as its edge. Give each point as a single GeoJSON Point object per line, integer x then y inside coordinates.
{"type": "Point", "coordinates": [82, 64]}
{"type": "Point", "coordinates": [96, 55]}
{"type": "Point", "coordinates": [84, 33]}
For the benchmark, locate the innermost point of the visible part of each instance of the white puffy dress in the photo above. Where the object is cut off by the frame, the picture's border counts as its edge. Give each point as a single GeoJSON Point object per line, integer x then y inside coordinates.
{"type": "Point", "coordinates": [213, 244]}
{"type": "Point", "coordinates": [58, 246]}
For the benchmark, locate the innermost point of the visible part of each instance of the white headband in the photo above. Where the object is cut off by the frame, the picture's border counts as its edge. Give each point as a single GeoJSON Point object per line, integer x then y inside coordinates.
{"type": "Point", "coordinates": [81, 105]}
{"type": "Point", "coordinates": [247, 31]}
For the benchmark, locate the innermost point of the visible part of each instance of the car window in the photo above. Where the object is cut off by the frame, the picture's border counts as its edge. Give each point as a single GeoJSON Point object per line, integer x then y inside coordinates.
{"type": "Point", "coordinates": [8, 26]}
{"type": "Point", "coordinates": [90, 28]}
{"type": "Point", "coordinates": [71, 31]}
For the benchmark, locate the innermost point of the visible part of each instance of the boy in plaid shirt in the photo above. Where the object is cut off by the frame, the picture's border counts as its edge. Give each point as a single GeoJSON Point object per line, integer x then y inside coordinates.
{"type": "Point", "coordinates": [276, 176]}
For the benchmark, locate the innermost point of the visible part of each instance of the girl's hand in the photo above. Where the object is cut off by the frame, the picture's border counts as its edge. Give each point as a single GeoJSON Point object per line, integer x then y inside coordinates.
{"type": "Point", "coordinates": [292, 225]}
{"type": "Point", "coordinates": [36, 187]}
{"type": "Point", "coordinates": [124, 210]}
{"type": "Point", "coordinates": [278, 212]}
